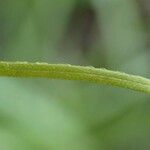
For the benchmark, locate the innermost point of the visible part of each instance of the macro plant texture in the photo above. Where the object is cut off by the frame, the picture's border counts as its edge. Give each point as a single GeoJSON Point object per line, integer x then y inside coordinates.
{"type": "Point", "coordinates": [70, 72]}
{"type": "Point", "coordinates": [72, 102]}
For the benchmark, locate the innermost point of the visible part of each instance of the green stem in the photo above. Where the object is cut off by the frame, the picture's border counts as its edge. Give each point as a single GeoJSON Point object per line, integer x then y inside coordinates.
{"type": "Point", "coordinates": [70, 72]}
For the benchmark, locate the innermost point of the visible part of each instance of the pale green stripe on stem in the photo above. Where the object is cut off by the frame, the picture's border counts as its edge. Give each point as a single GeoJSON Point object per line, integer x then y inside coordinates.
{"type": "Point", "coordinates": [71, 72]}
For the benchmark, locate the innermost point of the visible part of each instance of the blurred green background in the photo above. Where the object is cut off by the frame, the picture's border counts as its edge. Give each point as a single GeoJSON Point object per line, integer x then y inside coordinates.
{"type": "Point", "coordinates": [42, 114]}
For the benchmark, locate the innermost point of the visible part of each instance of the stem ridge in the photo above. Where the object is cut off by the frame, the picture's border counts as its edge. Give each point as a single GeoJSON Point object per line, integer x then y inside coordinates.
{"type": "Point", "coordinates": [71, 72]}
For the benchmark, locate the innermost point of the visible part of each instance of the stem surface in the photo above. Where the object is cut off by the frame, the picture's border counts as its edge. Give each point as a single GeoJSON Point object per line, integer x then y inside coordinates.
{"type": "Point", "coordinates": [71, 72]}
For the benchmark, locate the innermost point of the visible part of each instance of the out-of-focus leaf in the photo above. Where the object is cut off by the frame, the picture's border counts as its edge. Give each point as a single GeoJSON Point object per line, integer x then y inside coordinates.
{"type": "Point", "coordinates": [39, 121]}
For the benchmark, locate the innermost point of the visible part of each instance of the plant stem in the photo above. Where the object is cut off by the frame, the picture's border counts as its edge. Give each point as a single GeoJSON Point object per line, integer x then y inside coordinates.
{"type": "Point", "coordinates": [70, 72]}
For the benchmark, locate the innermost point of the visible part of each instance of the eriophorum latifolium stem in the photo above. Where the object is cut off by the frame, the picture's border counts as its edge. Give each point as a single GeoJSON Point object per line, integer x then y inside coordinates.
{"type": "Point", "coordinates": [71, 72]}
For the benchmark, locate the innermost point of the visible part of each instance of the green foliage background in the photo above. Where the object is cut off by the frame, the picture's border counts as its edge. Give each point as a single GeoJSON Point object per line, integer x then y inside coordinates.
{"type": "Point", "coordinates": [68, 115]}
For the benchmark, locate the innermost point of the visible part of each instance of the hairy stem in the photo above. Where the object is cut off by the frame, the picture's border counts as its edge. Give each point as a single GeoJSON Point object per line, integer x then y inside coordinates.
{"type": "Point", "coordinates": [70, 72]}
